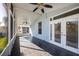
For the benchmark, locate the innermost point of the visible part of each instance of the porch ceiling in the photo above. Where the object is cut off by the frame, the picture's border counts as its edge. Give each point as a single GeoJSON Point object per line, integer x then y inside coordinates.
{"type": "Point", "coordinates": [25, 10]}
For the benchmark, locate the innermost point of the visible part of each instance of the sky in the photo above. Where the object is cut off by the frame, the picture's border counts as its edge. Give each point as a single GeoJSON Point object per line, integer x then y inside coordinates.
{"type": "Point", "coordinates": [2, 14]}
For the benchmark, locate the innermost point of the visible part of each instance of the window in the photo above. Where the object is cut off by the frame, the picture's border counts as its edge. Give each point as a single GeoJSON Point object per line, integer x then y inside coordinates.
{"type": "Point", "coordinates": [3, 28]}
{"type": "Point", "coordinates": [40, 28]}
{"type": "Point", "coordinates": [72, 34]}
{"type": "Point", "coordinates": [58, 32]}
{"type": "Point", "coordinates": [50, 19]}
{"type": "Point", "coordinates": [25, 30]}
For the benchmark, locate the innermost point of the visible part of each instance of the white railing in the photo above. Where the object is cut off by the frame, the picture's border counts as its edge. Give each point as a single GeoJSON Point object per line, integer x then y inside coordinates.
{"type": "Point", "coordinates": [8, 48]}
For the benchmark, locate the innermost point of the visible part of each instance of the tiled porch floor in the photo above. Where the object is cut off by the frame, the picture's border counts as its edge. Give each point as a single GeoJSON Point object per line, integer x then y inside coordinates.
{"type": "Point", "coordinates": [29, 49]}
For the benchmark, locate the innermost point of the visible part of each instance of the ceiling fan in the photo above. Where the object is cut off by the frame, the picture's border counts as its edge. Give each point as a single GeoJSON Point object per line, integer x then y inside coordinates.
{"type": "Point", "coordinates": [41, 6]}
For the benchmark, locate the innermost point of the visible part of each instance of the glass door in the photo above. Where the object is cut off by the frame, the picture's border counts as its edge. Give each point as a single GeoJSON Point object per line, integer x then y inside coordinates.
{"type": "Point", "coordinates": [57, 32]}
{"type": "Point", "coordinates": [66, 34]}
{"type": "Point", "coordinates": [72, 33]}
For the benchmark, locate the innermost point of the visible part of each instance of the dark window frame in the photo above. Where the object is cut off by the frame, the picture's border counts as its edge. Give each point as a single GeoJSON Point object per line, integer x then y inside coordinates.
{"type": "Point", "coordinates": [11, 26]}
{"type": "Point", "coordinates": [40, 28]}
{"type": "Point", "coordinates": [12, 7]}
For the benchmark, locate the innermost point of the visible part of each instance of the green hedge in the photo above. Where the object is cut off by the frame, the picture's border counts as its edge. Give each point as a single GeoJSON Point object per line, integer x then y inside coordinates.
{"type": "Point", "coordinates": [3, 42]}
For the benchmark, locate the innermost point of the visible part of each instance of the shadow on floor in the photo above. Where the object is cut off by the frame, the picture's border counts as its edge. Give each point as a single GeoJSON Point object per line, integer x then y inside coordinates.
{"type": "Point", "coordinates": [32, 48]}
{"type": "Point", "coordinates": [52, 49]}
{"type": "Point", "coordinates": [16, 48]}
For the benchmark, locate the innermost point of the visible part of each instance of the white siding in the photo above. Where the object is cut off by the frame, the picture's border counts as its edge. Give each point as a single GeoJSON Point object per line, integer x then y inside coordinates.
{"type": "Point", "coordinates": [45, 28]}
{"type": "Point", "coordinates": [45, 22]}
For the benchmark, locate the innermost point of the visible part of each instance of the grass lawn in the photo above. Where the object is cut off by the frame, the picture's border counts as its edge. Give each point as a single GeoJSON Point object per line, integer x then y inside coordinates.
{"type": "Point", "coordinates": [3, 42]}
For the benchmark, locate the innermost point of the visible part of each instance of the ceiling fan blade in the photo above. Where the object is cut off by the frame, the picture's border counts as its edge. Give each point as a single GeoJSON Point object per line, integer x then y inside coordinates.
{"type": "Point", "coordinates": [48, 6]}
{"type": "Point", "coordinates": [34, 3]}
{"type": "Point", "coordinates": [42, 10]}
{"type": "Point", "coordinates": [35, 9]}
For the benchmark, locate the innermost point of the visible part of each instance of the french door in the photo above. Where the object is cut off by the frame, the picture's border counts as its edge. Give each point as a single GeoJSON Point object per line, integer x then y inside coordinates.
{"type": "Point", "coordinates": [65, 34]}
{"type": "Point", "coordinates": [72, 33]}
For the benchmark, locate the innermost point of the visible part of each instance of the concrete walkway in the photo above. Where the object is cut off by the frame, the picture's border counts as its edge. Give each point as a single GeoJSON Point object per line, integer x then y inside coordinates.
{"type": "Point", "coordinates": [29, 49]}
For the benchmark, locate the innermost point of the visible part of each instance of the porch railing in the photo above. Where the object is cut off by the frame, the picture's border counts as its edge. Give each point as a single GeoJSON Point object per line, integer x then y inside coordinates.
{"type": "Point", "coordinates": [8, 48]}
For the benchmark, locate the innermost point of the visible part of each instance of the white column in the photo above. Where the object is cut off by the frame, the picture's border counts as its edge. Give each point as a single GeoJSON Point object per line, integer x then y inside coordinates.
{"type": "Point", "coordinates": [63, 33]}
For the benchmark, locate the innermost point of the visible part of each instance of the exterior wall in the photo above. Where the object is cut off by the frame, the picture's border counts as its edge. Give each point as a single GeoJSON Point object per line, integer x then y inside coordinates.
{"type": "Point", "coordinates": [46, 26]}
{"type": "Point", "coordinates": [46, 22]}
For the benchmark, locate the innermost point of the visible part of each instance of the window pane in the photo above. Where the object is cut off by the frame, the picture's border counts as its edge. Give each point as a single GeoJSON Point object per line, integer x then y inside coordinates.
{"type": "Point", "coordinates": [50, 19]}
{"type": "Point", "coordinates": [72, 34]}
{"type": "Point", "coordinates": [40, 28]}
{"type": "Point", "coordinates": [24, 29]}
{"type": "Point", "coordinates": [27, 29]}
{"type": "Point", "coordinates": [58, 32]}
{"type": "Point", "coordinates": [3, 28]}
